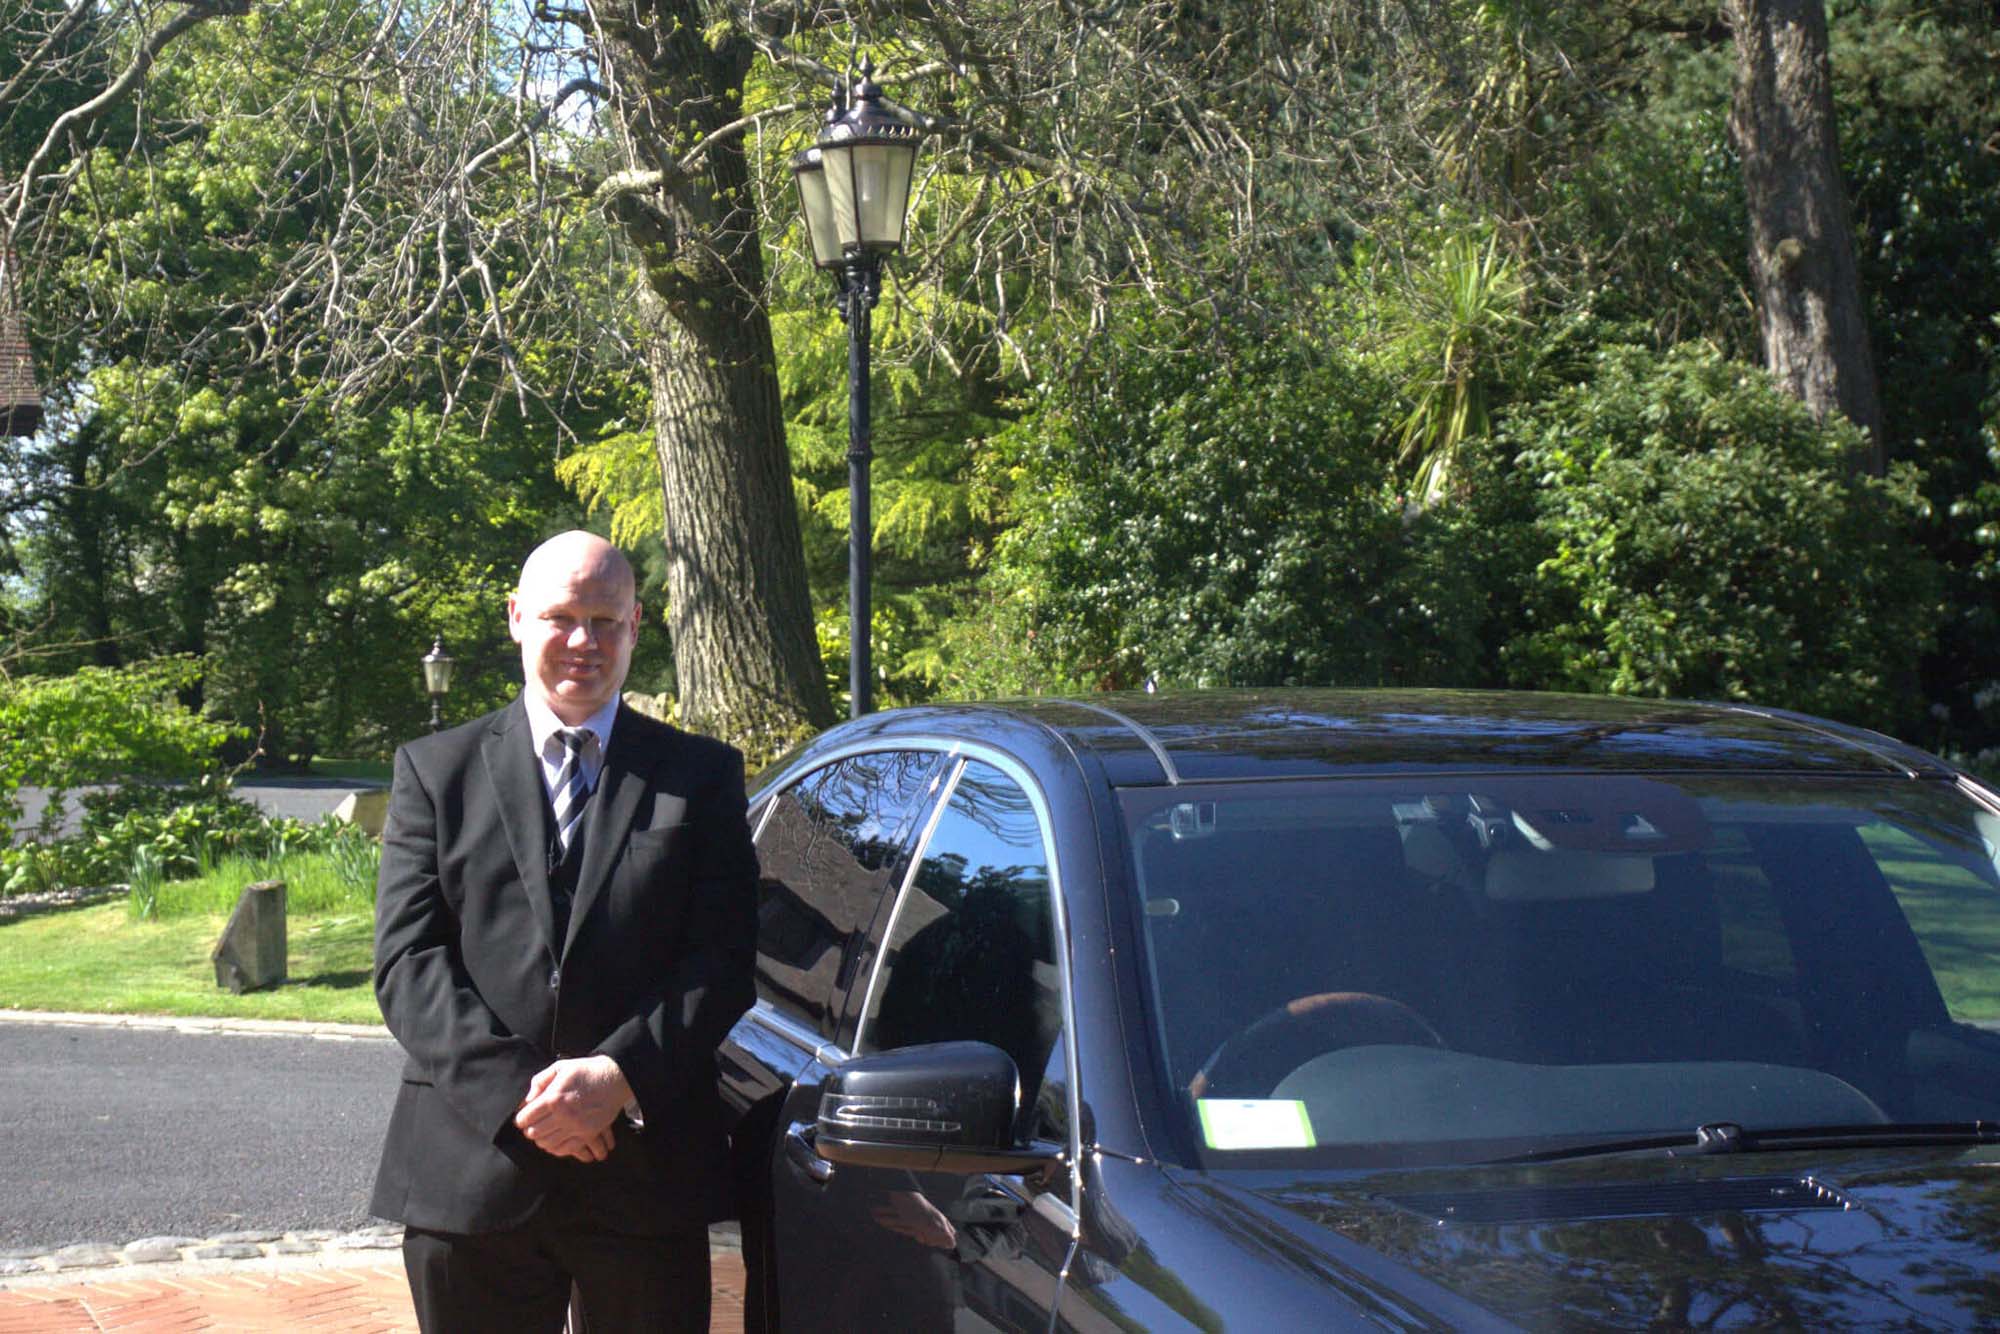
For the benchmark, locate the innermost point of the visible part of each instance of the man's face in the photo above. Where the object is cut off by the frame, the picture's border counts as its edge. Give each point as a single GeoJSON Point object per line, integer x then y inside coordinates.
{"type": "Point", "coordinates": [575, 627]}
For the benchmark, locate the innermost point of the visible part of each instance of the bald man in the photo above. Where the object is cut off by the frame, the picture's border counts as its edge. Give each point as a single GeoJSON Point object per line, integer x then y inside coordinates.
{"type": "Point", "coordinates": [565, 928]}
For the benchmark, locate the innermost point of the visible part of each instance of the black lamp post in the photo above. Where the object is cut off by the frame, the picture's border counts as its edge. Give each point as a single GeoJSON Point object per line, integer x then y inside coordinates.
{"type": "Point", "coordinates": [854, 188]}
{"type": "Point", "coordinates": [437, 678]}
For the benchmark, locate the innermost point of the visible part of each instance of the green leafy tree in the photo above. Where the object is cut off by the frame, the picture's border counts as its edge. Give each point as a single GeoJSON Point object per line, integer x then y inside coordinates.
{"type": "Point", "coordinates": [1705, 537]}
{"type": "Point", "coordinates": [99, 725]}
{"type": "Point", "coordinates": [1918, 89]}
{"type": "Point", "coordinates": [201, 494]}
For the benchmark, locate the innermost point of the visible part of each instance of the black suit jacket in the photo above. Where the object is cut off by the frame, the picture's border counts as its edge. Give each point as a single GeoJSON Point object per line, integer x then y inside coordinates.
{"type": "Point", "coordinates": [656, 966]}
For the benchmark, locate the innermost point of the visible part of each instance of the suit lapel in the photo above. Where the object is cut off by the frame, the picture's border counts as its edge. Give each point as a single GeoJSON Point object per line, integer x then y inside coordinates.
{"type": "Point", "coordinates": [622, 785]}
{"type": "Point", "coordinates": [511, 767]}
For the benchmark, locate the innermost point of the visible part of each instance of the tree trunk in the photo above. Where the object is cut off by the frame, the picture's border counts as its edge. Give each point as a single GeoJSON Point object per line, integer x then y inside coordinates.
{"type": "Point", "coordinates": [1802, 266]}
{"type": "Point", "coordinates": [745, 653]}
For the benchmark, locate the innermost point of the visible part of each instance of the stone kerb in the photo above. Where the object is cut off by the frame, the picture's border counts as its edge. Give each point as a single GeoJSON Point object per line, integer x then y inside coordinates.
{"type": "Point", "coordinates": [258, 1245]}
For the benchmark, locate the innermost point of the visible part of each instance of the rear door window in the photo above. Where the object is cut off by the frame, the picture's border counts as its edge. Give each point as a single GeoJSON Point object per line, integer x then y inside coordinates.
{"type": "Point", "coordinates": [829, 850]}
{"type": "Point", "coordinates": [971, 951]}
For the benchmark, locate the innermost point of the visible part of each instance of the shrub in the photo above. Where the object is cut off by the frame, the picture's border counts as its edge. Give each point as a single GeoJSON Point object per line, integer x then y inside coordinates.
{"type": "Point", "coordinates": [182, 831]}
{"type": "Point", "coordinates": [1220, 514]}
{"type": "Point", "coordinates": [100, 725]}
{"type": "Point", "coordinates": [1705, 537]}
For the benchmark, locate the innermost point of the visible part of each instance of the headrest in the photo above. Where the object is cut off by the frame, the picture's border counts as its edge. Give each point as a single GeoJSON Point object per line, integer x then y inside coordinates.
{"type": "Point", "coordinates": [1428, 852]}
{"type": "Point", "coordinates": [1538, 877]}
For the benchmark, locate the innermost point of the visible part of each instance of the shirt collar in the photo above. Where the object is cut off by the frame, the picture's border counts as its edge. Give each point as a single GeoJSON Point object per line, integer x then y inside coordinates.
{"type": "Point", "coordinates": [543, 723]}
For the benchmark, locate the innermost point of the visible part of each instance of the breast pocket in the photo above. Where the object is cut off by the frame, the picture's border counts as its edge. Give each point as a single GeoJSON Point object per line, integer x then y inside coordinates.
{"type": "Point", "coordinates": [651, 885]}
{"type": "Point", "coordinates": [653, 873]}
{"type": "Point", "coordinates": [660, 841]}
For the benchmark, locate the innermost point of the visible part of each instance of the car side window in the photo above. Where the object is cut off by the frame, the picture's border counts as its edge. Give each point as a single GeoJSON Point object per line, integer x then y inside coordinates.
{"type": "Point", "coordinates": [826, 853]}
{"type": "Point", "coordinates": [971, 953]}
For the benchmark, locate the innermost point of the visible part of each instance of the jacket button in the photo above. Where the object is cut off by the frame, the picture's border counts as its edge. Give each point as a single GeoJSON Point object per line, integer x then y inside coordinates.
{"type": "Point", "coordinates": [555, 979]}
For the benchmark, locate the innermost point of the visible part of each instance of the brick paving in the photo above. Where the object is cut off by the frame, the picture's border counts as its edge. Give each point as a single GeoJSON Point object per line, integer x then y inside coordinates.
{"type": "Point", "coordinates": [352, 1284]}
{"type": "Point", "coordinates": [366, 1298]}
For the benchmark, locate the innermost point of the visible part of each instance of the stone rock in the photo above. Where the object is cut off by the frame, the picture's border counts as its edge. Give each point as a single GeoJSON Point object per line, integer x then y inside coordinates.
{"type": "Point", "coordinates": [251, 1237]}
{"type": "Point", "coordinates": [251, 953]}
{"type": "Point", "coordinates": [291, 1247]}
{"type": "Point", "coordinates": [364, 810]}
{"type": "Point", "coordinates": [380, 1230]}
{"type": "Point", "coordinates": [11, 1266]}
{"type": "Point", "coordinates": [234, 1251]}
{"type": "Point", "coordinates": [171, 1243]}
{"type": "Point", "coordinates": [88, 1255]}
{"type": "Point", "coordinates": [358, 1241]}
{"type": "Point", "coordinates": [136, 1254]}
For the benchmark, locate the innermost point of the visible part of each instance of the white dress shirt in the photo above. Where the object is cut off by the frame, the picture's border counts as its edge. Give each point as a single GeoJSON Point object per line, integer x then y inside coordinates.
{"type": "Point", "coordinates": [542, 728]}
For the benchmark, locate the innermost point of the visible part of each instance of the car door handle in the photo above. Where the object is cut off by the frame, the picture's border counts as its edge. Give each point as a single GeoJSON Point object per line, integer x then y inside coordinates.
{"type": "Point", "coordinates": [799, 1148]}
{"type": "Point", "coordinates": [990, 1205]}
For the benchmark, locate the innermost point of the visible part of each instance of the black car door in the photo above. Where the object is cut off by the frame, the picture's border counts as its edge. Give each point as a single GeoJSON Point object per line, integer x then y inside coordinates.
{"type": "Point", "coordinates": [830, 848]}
{"type": "Point", "coordinates": [970, 951]}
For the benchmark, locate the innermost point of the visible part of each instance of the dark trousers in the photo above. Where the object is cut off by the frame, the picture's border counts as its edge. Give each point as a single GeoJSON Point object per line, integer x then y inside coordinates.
{"type": "Point", "coordinates": [519, 1280]}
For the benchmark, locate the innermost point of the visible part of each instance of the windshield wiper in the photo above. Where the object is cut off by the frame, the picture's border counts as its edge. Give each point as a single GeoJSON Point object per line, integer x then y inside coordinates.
{"type": "Point", "coordinates": [1728, 1137]}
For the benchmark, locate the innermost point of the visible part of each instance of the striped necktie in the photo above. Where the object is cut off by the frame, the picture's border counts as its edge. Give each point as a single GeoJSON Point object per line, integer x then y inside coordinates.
{"type": "Point", "coordinates": [572, 790]}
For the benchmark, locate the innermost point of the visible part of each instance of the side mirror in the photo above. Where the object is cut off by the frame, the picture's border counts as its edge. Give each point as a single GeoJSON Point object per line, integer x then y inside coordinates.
{"type": "Point", "coordinates": [942, 1107]}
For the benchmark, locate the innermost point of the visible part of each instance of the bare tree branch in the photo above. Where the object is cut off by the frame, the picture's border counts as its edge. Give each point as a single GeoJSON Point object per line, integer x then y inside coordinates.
{"type": "Point", "coordinates": [193, 13]}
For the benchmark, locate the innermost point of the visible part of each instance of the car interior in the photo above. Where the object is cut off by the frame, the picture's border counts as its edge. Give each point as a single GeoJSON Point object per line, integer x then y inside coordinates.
{"type": "Point", "coordinates": [1566, 956]}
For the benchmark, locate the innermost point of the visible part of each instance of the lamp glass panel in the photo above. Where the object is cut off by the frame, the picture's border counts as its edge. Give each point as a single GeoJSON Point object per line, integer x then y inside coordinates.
{"type": "Point", "coordinates": [839, 160]}
{"type": "Point", "coordinates": [882, 191]}
{"type": "Point", "coordinates": [437, 674]}
{"type": "Point", "coordinates": [902, 163]}
{"type": "Point", "coordinates": [816, 202]}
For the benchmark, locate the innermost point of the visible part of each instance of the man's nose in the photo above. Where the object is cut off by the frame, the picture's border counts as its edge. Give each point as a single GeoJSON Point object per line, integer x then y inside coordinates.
{"type": "Point", "coordinates": [583, 636]}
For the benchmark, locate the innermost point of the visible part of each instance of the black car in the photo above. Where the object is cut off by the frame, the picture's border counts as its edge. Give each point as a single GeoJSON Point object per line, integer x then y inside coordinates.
{"type": "Point", "coordinates": [1296, 1010]}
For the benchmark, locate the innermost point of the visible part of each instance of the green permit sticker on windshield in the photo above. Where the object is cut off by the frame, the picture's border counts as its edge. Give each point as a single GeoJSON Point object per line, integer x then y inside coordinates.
{"type": "Point", "coordinates": [1255, 1123]}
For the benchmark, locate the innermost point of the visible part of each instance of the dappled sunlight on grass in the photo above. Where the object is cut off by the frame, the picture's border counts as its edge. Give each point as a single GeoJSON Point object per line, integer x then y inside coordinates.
{"type": "Point", "coordinates": [1956, 916]}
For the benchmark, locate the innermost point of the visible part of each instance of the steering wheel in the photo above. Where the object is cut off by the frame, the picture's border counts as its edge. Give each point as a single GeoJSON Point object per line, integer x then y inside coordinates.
{"type": "Point", "coordinates": [1253, 1061]}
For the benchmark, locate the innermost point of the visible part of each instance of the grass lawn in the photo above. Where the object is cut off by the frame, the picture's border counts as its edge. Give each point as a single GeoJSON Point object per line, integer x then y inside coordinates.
{"type": "Point", "coordinates": [104, 959]}
{"type": "Point", "coordinates": [1956, 916]}
{"type": "Point", "coordinates": [98, 959]}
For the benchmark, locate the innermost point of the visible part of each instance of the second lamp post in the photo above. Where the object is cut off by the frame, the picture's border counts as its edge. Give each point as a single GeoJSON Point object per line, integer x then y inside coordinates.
{"type": "Point", "coordinates": [437, 679]}
{"type": "Point", "coordinates": [854, 188]}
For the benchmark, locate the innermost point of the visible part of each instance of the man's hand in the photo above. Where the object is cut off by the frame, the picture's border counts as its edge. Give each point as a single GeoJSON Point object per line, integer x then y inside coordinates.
{"type": "Point", "coordinates": [571, 1105]}
{"type": "Point", "coordinates": [909, 1214]}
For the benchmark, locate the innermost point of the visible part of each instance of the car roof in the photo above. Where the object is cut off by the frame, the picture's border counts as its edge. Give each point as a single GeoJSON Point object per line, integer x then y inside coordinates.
{"type": "Point", "coordinates": [1144, 739]}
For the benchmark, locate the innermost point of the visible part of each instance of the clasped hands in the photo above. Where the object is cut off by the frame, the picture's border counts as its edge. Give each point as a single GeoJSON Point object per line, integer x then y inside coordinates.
{"type": "Point", "coordinates": [572, 1107]}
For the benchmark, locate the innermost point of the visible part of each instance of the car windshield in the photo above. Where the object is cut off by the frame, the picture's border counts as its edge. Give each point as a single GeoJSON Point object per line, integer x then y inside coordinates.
{"type": "Point", "coordinates": [1453, 969]}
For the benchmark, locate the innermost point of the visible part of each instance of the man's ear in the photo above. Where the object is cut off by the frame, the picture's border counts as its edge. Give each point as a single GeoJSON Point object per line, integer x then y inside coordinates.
{"type": "Point", "coordinates": [638, 617]}
{"type": "Point", "coordinates": [513, 618]}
